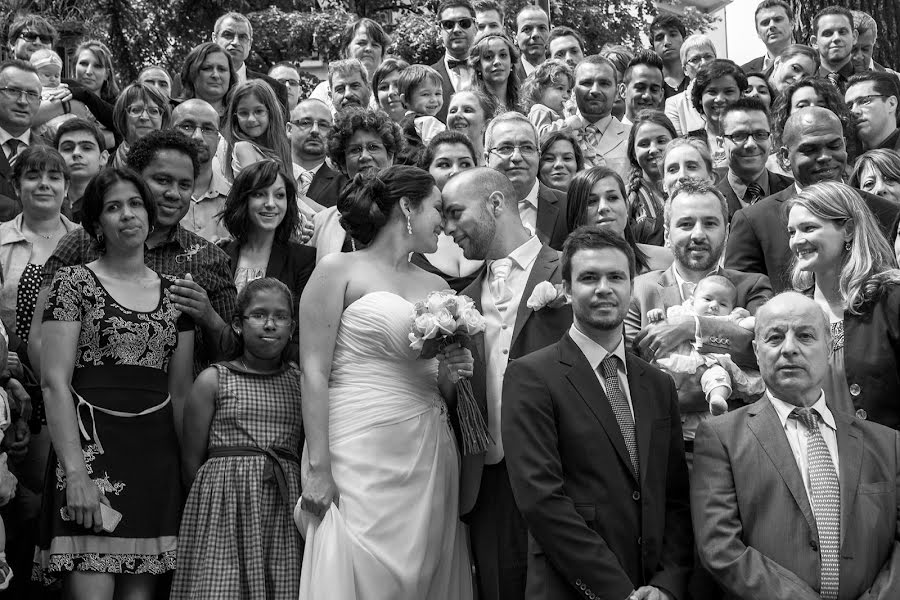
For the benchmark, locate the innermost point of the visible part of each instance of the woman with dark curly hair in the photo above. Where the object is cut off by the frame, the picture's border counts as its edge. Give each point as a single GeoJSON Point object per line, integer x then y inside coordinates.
{"type": "Point", "coordinates": [759, 87]}
{"type": "Point", "coordinates": [361, 139]}
{"type": "Point", "coordinates": [380, 505]}
{"type": "Point", "coordinates": [650, 133]}
{"type": "Point", "coordinates": [492, 59]}
{"type": "Point", "coordinates": [208, 73]}
{"type": "Point", "coordinates": [718, 83]}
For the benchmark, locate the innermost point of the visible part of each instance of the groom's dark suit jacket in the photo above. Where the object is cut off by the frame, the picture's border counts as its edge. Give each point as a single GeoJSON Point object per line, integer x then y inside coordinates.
{"type": "Point", "coordinates": [595, 529]}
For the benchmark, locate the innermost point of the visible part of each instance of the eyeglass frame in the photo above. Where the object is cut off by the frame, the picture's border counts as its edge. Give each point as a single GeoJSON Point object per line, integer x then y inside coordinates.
{"type": "Point", "coordinates": [183, 128]}
{"type": "Point", "coordinates": [534, 150]}
{"type": "Point", "coordinates": [299, 124]}
{"type": "Point", "coordinates": [34, 35]}
{"type": "Point", "coordinates": [278, 320]}
{"type": "Point", "coordinates": [750, 134]}
{"type": "Point", "coordinates": [454, 22]}
{"type": "Point", "coordinates": [863, 101]}
{"type": "Point", "coordinates": [29, 95]}
{"type": "Point", "coordinates": [356, 151]}
{"type": "Point", "coordinates": [132, 111]}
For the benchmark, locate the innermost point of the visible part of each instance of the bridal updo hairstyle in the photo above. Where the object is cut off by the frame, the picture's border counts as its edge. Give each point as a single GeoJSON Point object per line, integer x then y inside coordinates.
{"type": "Point", "coordinates": [366, 202]}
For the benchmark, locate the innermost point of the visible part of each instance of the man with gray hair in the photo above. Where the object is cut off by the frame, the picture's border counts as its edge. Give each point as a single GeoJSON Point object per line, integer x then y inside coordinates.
{"type": "Point", "coordinates": [482, 214]}
{"type": "Point", "coordinates": [348, 81]}
{"type": "Point", "coordinates": [696, 51]}
{"type": "Point", "coordinates": [791, 500]}
{"type": "Point", "coordinates": [511, 147]}
{"type": "Point", "coordinates": [234, 34]}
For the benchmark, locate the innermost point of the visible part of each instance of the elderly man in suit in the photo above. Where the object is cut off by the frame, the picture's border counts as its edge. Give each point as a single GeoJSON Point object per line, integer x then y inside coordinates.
{"type": "Point", "coordinates": [457, 21]}
{"type": "Point", "coordinates": [20, 97]}
{"type": "Point", "coordinates": [308, 131]}
{"type": "Point", "coordinates": [791, 500]}
{"type": "Point", "coordinates": [511, 147]}
{"type": "Point", "coordinates": [481, 213]}
{"type": "Point", "coordinates": [696, 224]}
{"type": "Point", "coordinates": [234, 33]}
{"type": "Point", "coordinates": [603, 140]}
{"type": "Point", "coordinates": [747, 138]}
{"type": "Point", "coordinates": [814, 145]}
{"type": "Point", "coordinates": [593, 445]}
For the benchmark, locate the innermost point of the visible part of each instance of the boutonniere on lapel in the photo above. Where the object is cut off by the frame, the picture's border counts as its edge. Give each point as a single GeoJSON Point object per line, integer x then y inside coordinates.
{"type": "Point", "coordinates": [547, 295]}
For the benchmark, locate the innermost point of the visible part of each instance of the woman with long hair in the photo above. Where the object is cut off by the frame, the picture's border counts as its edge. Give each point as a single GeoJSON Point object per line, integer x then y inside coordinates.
{"type": "Point", "coordinates": [208, 74]}
{"type": "Point", "coordinates": [843, 262]}
{"type": "Point", "coordinates": [650, 133]}
{"type": "Point", "coordinates": [255, 128]}
{"type": "Point", "coordinates": [493, 58]}
{"type": "Point", "coordinates": [796, 62]}
{"type": "Point", "coordinates": [597, 197]}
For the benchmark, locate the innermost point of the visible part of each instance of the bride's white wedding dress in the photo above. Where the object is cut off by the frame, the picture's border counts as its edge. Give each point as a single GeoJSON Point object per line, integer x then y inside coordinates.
{"type": "Point", "coordinates": [396, 534]}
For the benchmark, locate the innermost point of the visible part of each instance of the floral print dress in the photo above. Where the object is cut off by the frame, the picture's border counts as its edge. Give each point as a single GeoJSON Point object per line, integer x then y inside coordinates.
{"type": "Point", "coordinates": [120, 390]}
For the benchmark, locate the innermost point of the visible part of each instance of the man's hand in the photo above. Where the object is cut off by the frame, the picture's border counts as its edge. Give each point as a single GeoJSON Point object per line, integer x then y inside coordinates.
{"type": "Point", "coordinates": [305, 230]}
{"type": "Point", "coordinates": [8, 482]}
{"type": "Point", "coordinates": [14, 365]}
{"type": "Point", "coordinates": [191, 299]}
{"type": "Point", "coordinates": [661, 338]}
{"type": "Point", "coordinates": [19, 399]}
{"type": "Point", "coordinates": [648, 592]}
{"type": "Point", "coordinates": [16, 439]}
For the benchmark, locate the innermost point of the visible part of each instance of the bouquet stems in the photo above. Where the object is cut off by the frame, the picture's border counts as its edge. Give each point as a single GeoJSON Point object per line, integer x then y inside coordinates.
{"type": "Point", "coordinates": [473, 430]}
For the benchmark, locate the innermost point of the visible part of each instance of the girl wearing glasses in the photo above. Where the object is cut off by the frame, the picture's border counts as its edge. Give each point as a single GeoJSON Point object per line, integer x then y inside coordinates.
{"type": "Point", "coordinates": [139, 110]}
{"type": "Point", "coordinates": [255, 128]}
{"type": "Point", "coordinates": [242, 433]}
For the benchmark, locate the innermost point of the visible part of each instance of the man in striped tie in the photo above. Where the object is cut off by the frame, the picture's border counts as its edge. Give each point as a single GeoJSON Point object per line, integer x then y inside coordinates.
{"type": "Point", "coordinates": [20, 97]}
{"type": "Point", "coordinates": [792, 500]}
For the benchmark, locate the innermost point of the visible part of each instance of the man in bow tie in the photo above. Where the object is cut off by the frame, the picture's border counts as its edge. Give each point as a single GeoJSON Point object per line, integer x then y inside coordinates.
{"type": "Point", "coordinates": [792, 500]}
{"type": "Point", "coordinates": [481, 213]}
{"type": "Point", "coordinates": [603, 140]}
{"type": "Point", "coordinates": [457, 21]}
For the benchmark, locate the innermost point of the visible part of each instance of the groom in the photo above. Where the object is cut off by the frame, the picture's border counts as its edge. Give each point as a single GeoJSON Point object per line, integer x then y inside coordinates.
{"type": "Point", "coordinates": [481, 213]}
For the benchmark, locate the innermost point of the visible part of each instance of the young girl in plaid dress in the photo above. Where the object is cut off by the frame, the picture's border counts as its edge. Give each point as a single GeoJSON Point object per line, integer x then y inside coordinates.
{"type": "Point", "coordinates": [242, 434]}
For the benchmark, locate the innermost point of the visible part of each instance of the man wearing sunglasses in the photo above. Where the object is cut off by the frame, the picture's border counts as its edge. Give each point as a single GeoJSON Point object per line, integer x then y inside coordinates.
{"type": "Point", "coordinates": [20, 97]}
{"type": "Point", "coordinates": [747, 140]}
{"type": "Point", "coordinates": [457, 20]}
{"type": "Point", "coordinates": [28, 34]}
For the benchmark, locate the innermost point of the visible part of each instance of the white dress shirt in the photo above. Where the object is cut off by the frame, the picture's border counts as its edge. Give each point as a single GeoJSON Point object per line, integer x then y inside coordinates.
{"type": "Point", "coordinates": [528, 208]}
{"type": "Point", "coordinates": [595, 354]}
{"type": "Point", "coordinates": [460, 77]}
{"type": "Point", "coordinates": [5, 136]}
{"type": "Point", "coordinates": [241, 73]}
{"type": "Point", "coordinates": [796, 435]}
{"type": "Point", "coordinates": [500, 322]}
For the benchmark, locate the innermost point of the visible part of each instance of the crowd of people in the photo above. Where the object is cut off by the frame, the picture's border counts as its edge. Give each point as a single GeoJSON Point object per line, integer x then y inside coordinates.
{"type": "Point", "coordinates": [685, 272]}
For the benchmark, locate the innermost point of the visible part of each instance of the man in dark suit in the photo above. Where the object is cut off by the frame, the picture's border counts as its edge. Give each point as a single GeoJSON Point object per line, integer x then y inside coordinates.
{"type": "Point", "coordinates": [815, 147]}
{"type": "Point", "coordinates": [790, 499]}
{"type": "Point", "coordinates": [833, 37]}
{"type": "Point", "coordinates": [864, 48]}
{"type": "Point", "coordinates": [774, 26]}
{"type": "Point", "coordinates": [873, 98]}
{"type": "Point", "coordinates": [457, 21]}
{"type": "Point", "coordinates": [234, 33]}
{"type": "Point", "coordinates": [511, 147]}
{"type": "Point", "coordinates": [532, 31]}
{"type": "Point", "coordinates": [747, 138]}
{"type": "Point", "coordinates": [20, 97]}
{"type": "Point", "coordinates": [593, 446]}
{"type": "Point", "coordinates": [481, 213]}
{"type": "Point", "coordinates": [308, 130]}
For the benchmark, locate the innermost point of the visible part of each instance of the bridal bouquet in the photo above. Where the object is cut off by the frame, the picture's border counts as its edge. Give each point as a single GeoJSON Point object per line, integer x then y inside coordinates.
{"type": "Point", "coordinates": [442, 319]}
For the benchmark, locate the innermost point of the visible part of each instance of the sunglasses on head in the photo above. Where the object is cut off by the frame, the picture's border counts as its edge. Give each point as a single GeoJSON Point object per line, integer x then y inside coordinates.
{"type": "Point", "coordinates": [32, 36]}
{"type": "Point", "coordinates": [449, 24]}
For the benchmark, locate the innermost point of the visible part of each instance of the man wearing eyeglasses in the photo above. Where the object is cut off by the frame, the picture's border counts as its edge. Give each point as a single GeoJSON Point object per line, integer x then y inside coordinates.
{"type": "Point", "coordinates": [197, 119]}
{"type": "Point", "coordinates": [511, 147]}
{"type": "Point", "coordinates": [308, 131]}
{"type": "Point", "coordinates": [234, 33]}
{"type": "Point", "coordinates": [747, 139]}
{"type": "Point", "coordinates": [873, 98]}
{"type": "Point", "coordinates": [20, 97]}
{"type": "Point", "coordinates": [30, 33]}
{"type": "Point", "coordinates": [457, 19]}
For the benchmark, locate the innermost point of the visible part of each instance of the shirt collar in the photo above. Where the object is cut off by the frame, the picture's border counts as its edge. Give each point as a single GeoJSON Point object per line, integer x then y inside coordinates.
{"type": "Point", "coordinates": [5, 136]}
{"type": "Point", "coordinates": [12, 230]}
{"type": "Point", "coordinates": [679, 280]}
{"type": "Point", "coordinates": [241, 73]}
{"type": "Point", "coordinates": [600, 125]}
{"type": "Point", "coordinates": [532, 197]}
{"type": "Point", "coordinates": [527, 253]}
{"type": "Point", "coordinates": [740, 188]}
{"type": "Point", "coordinates": [784, 410]}
{"type": "Point", "coordinates": [528, 67]}
{"type": "Point", "coordinates": [218, 187]}
{"type": "Point", "coordinates": [594, 352]}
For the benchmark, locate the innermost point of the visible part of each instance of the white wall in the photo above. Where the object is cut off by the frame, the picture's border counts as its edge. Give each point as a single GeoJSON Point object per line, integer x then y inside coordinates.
{"type": "Point", "coordinates": [735, 34]}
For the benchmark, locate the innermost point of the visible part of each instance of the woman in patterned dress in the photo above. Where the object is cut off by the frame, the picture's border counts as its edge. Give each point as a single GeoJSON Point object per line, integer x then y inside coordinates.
{"type": "Point", "coordinates": [117, 358]}
{"type": "Point", "coordinates": [244, 426]}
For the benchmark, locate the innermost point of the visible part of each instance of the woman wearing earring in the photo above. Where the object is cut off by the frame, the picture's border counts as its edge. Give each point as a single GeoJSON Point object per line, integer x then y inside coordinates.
{"type": "Point", "coordinates": [842, 260]}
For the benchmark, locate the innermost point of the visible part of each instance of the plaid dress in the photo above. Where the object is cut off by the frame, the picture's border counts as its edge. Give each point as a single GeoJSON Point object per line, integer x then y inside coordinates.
{"type": "Point", "coordinates": [237, 537]}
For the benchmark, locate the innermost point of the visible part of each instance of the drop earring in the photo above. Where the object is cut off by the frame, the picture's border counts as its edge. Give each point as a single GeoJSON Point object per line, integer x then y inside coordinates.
{"type": "Point", "coordinates": [847, 245]}
{"type": "Point", "coordinates": [408, 225]}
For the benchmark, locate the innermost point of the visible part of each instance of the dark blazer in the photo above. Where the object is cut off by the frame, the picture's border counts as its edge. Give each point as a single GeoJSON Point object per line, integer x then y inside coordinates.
{"type": "Point", "coordinates": [776, 184]}
{"type": "Point", "coordinates": [10, 205]}
{"type": "Point", "coordinates": [595, 529]}
{"type": "Point", "coordinates": [290, 263]}
{"type": "Point", "coordinates": [533, 330]}
{"type": "Point", "coordinates": [551, 216]}
{"type": "Point", "coordinates": [446, 87]}
{"type": "Point", "coordinates": [754, 65]}
{"type": "Point", "coordinates": [277, 86]}
{"type": "Point", "coordinates": [520, 71]}
{"type": "Point", "coordinates": [758, 242]}
{"type": "Point", "coordinates": [326, 185]}
{"type": "Point", "coordinates": [755, 529]}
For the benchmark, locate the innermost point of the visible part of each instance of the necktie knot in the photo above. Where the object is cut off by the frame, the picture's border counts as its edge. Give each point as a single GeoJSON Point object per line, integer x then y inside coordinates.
{"type": "Point", "coordinates": [13, 146]}
{"type": "Point", "coordinates": [304, 180]}
{"type": "Point", "coordinates": [808, 416]}
{"type": "Point", "coordinates": [610, 366]}
{"type": "Point", "coordinates": [754, 192]}
{"type": "Point", "coordinates": [499, 270]}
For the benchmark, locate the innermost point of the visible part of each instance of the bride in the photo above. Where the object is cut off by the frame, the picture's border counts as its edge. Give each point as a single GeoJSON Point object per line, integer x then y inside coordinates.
{"type": "Point", "coordinates": [381, 471]}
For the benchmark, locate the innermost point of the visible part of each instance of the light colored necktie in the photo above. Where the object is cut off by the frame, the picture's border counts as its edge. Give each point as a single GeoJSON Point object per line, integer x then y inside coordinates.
{"type": "Point", "coordinates": [13, 146]}
{"type": "Point", "coordinates": [619, 404]}
{"type": "Point", "coordinates": [825, 489]}
{"type": "Point", "coordinates": [304, 181]}
{"type": "Point", "coordinates": [687, 289]}
{"type": "Point", "coordinates": [499, 273]}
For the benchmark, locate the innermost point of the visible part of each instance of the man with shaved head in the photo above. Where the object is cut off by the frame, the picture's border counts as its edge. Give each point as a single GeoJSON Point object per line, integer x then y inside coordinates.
{"type": "Point", "coordinates": [309, 128]}
{"type": "Point", "coordinates": [197, 119]}
{"type": "Point", "coordinates": [482, 215]}
{"type": "Point", "coordinates": [791, 500]}
{"type": "Point", "coordinates": [814, 145]}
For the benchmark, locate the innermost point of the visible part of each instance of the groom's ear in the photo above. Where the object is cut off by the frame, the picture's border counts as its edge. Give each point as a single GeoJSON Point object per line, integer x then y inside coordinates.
{"type": "Point", "coordinates": [496, 201]}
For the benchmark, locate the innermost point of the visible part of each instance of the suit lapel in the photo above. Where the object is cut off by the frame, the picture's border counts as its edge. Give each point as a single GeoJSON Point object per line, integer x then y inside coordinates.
{"type": "Point", "coordinates": [643, 421]}
{"type": "Point", "coordinates": [734, 204]}
{"type": "Point", "coordinates": [667, 288]}
{"type": "Point", "coordinates": [612, 137]}
{"type": "Point", "coordinates": [767, 428]}
{"type": "Point", "coordinates": [546, 262]}
{"type": "Point", "coordinates": [850, 451]}
{"type": "Point", "coordinates": [585, 382]}
{"type": "Point", "coordinates": [547, 211]}
{"type": "Point", "coordinates": [277, 260]}
{"type": "Point", "coordinates": [474, 292]}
